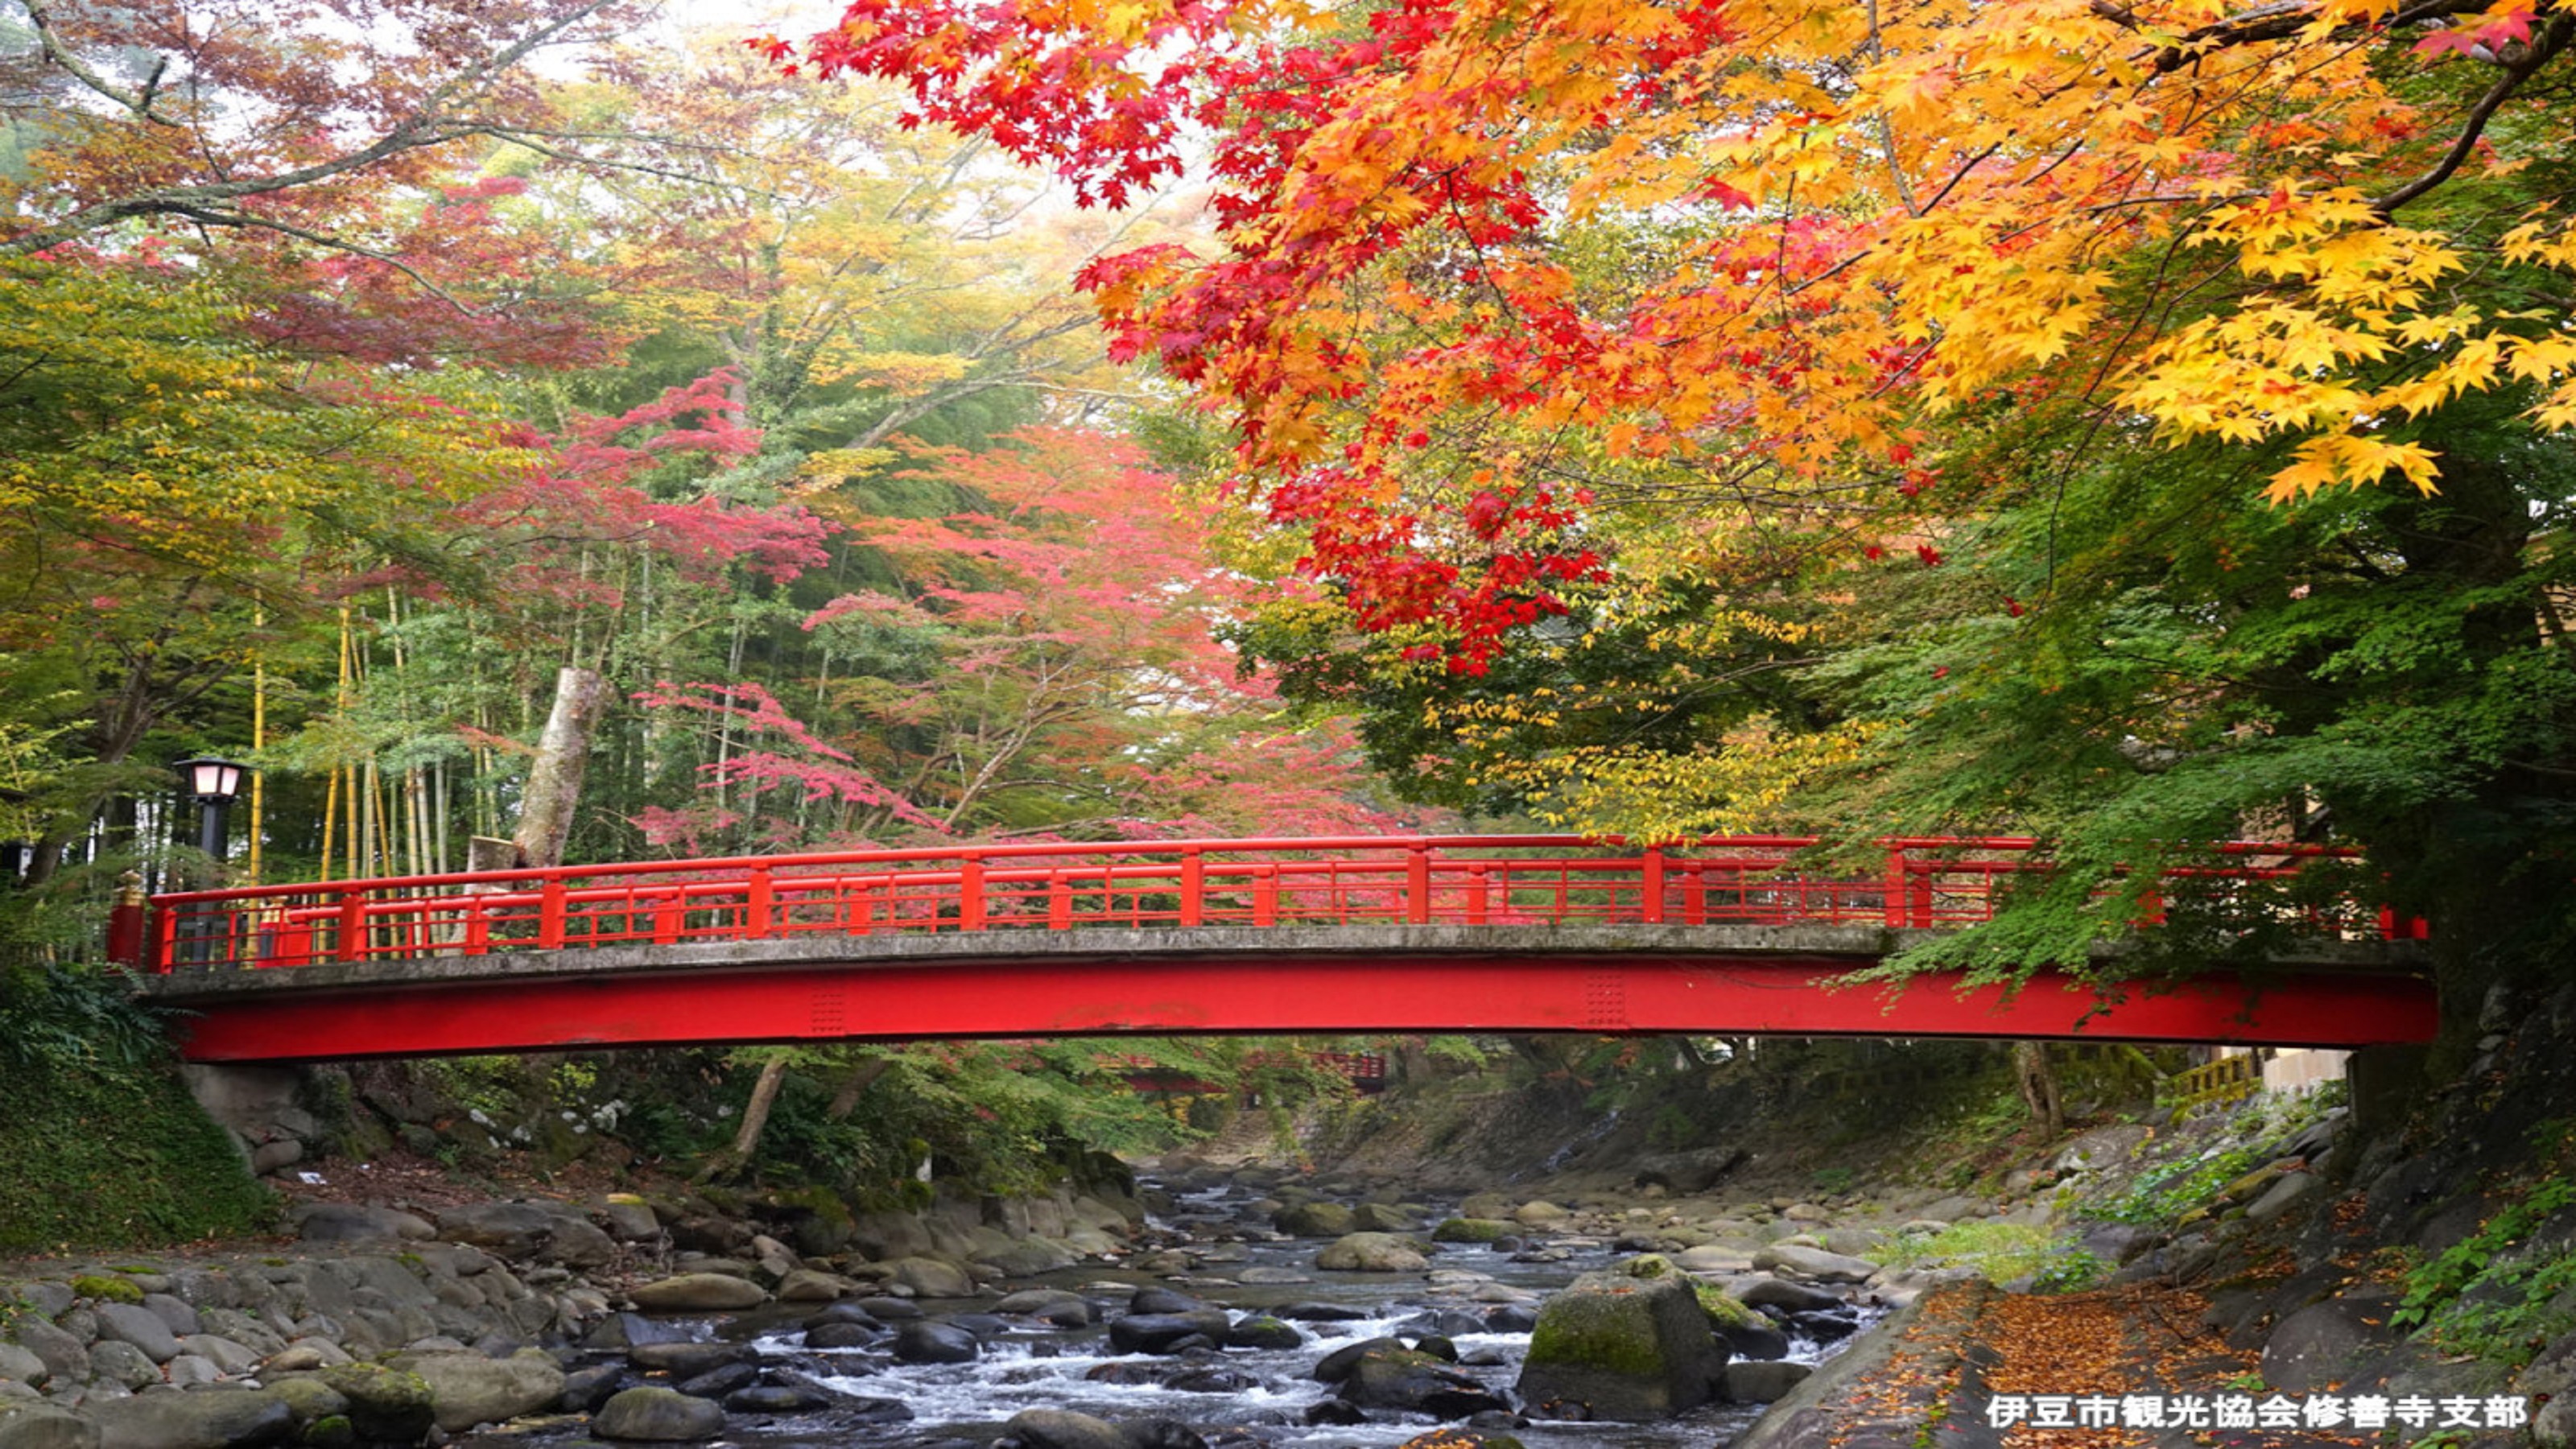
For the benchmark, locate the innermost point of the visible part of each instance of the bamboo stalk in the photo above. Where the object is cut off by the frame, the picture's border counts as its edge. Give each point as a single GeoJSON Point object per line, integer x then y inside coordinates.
{"type": "Point", "coordinates": [258, 738]}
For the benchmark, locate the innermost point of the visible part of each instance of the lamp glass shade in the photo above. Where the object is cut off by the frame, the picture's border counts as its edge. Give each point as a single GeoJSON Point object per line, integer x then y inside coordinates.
{"type": "Point", "coordinates": [212, 779]}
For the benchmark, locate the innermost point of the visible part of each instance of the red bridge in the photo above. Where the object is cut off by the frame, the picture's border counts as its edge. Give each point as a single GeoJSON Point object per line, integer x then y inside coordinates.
{"type": "Point", "coordinates": [1465, 933]}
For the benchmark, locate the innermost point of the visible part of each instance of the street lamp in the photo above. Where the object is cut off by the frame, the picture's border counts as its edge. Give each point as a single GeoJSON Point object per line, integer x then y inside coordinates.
{"type": "Point", "coordinates": [213, 784]}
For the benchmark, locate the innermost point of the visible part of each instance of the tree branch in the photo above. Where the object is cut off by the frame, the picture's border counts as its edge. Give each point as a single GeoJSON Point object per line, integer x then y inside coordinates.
{"type": "Point", "coordinates": [2543, 49]}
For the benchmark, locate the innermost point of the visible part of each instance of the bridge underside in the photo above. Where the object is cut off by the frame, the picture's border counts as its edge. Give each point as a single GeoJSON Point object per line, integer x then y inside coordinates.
{"type": "Point", "coordinates": [1732, 981]}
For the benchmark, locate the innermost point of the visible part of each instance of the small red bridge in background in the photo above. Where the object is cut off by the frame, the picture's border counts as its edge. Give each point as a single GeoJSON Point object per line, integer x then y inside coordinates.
{"type": "Point", "coordinates": [1435, 933]}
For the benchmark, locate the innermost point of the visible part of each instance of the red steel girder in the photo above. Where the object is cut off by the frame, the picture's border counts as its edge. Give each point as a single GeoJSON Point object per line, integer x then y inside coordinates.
{"type": "Point", "coordinates": [1311, 994]}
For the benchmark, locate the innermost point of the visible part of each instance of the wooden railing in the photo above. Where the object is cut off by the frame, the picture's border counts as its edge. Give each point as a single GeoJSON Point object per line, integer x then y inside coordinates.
{"type": "Point", "coordinates": [1522, 880]}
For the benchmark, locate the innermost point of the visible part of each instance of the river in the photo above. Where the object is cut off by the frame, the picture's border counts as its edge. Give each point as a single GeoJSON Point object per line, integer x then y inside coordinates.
{"type": "Point", "coordinates": [1263, 1400]}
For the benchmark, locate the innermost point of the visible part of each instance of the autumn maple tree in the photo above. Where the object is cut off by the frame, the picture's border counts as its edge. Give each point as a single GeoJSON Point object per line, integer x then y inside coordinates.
{"type": "Point", "coordinates": [1834, 227]}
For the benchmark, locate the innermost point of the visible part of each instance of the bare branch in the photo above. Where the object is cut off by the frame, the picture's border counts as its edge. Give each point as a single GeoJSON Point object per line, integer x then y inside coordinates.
{"type": "Point", "coordinates": [140, 103]}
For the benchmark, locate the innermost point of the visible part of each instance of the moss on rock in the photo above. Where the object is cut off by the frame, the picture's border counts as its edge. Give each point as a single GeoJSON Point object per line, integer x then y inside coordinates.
{"type": "Point", "coordinates": [107, 1290]}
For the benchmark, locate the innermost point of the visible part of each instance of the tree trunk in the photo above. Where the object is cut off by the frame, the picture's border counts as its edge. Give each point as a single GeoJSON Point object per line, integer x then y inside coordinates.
{"type": "Point", "coordinates": [2038, 1082]}
{"type": "Point", "coordinates": [755, 1116]}
{"type": "Point", "coordinates": [862, 1076]}
{"type": "Point", "coordinates": [554, 777]}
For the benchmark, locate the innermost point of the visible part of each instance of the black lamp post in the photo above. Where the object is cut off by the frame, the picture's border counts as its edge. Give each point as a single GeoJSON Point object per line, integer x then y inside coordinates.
{"type": "Point", "coordinates": [213, 784]}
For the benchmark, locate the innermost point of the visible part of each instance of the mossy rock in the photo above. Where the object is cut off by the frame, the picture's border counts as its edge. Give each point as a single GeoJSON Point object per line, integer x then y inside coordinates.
{"type": "Point", "coordinates": [1628, 1346]}
{"type": "Point", "coordinates": [107, 1290]}
{"type": "Point", "coordinates": [1474, 1230]}
{"type": "Point", "coordinates": [331, 1431]}
{"type": "Point", "coordinates": [384, 1404]}
{"type": "Point", "coordinates": [1723, 1310]}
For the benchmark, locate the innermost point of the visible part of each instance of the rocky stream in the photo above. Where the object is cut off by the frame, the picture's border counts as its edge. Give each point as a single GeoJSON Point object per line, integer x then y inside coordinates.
{"type": "Point", "coordinates": [1222, 1316]}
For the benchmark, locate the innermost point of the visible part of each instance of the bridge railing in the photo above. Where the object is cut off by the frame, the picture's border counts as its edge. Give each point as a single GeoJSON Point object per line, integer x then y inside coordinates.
{"type": "Point", "coordinates": [1422, 880]}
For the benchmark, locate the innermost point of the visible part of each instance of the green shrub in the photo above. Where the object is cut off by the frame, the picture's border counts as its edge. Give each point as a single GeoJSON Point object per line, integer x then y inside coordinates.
{"type": "Point", "coordinates": [2000, 1251]}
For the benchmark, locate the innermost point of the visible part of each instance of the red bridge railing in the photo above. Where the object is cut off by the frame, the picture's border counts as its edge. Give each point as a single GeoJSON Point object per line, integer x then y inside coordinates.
{"type": "Point", "coordinates": [1420, 880]}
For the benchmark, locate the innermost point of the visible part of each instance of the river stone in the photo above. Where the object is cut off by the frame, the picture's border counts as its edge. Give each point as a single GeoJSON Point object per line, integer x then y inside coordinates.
{"type": "Point", "coordinates": [841, 1335]}
{"type": "Point", "coordinates": [44, 1426]}
{"type": "Point", "coordinates": [1262, 1331]}
{"type": "Point", "coordinates": [718, 1382]}
{"type": "Point", "coordinates": [384, 1404]}
{"type": "Point", "coordinates": [1373, 1217]}
{"type": "Point", "coordinates": [1049, 1305]}
{"type": "Point", "coordinates": [932, 1277]}
{"type": "Point", "coordinates": [630, 1217]}
{"type": "Point", "coordinates": [119, 1362]}
{"type": "Point", "coordinates": [774, 1399]}
{"type": "Point", "coordinates": [466, 1389]}
{"type": "Point", "coordinates": [1063, 1429]}
{"type": "Point", "coordinates": [1782, 1294]}
{"type": "Point", "coordinates": [140, 1326]}
{"type": "Point", "coordinates": [175, 1313]}
{"type": "Point", "coordinates": [64, 1356]}
{"type": "Point", "coordinates": [686, 1360]}
{"type": "Point", "coordinates": [1372, 1253]}
{"type": "Point", "coordinates": [226, 1355]}
{"type": "Point", "coordinates": [1320, 1313]}
{"type": "Point", "coordinates": [586, 1389]}
{"type": "Point", "coordinates": [1472, 1230]}
{"type": "Point", "coordinates": [890, 1310]}
{"type": "Point", "coordinates": [206, 1419]}
{"type": "Point", "coordinates": [1152, 1299]}
{"type": "Point", "coordinates": [1165, 1332]}
{"type": "Point", "coordinates": [309, 1397]}
{"type": "Point", "coordinates": [804, 1285]}
{"type": "Point", "coordinates": [1338, 1365]}
{"type": "Point", "coordinates": [1315, 1220]}
{"type": "Point", "coordinates": [657, 1415]}
{"type": "Point", "coordinates": [1761, 1382]}
{"type": "Point", "coordinates": [1417, 1382]}
{"type": "Point", "coordinates": [188, 1370]}
{"type": "Point", "coordinates": [1539, 1214]}
{"type": "Point", "coordinates": [1816, 1263]}
{"type": "Point", "coordinates": [305, 1354]}
{"type": "Point", "coordinates": [929, 1341]}
{"type": "Point", "coordinates": [698, 1293]}
{"type": "Point", "coordinates": [1629, 1348]}
{"type": "Point", "coordinates": [24, 1367]}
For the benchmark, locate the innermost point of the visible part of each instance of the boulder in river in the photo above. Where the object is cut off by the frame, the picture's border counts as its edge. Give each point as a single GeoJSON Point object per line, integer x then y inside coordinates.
{"type": "Point", "coordinates": [385, 1405]}
{"type": "Point", "coordinates": [927, 1340]}
{"type": "Point", "coordinates": [1315, 1220]}
{"type": "Point", "coordinates": [1372, 1253]}
{"type": "Point", "coordinates": [1065, 1429]}
{"type": "Point", "coordinates": [657, 1416]}
{"type": "Point", "coordinates": [698, 1293]}
{"type": "Point", "coordinates": [1760, 1382]}
{"type": "Point", "coordinates": [1387, 1377]}
{"type": "Point", "coordinates": [1630, 1344]}
{"type": "Point", "coordinates": [466, 1389]}
{"type": "Point", "coordinates": [685, 1360]}
{"type": "Point", "coordinates": [1474, 1230]}
{"type": "Point", "coordinates": [1167, 1332]}
{"type": "Point", "coordinates": [205, 1419]}
{"type": "Point", "coordinates": [932, 1277]}
{"type": "Point", "coordinates": [1262, 1331]}
{"type": "Point", "coordinates": [1815, 1263]}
